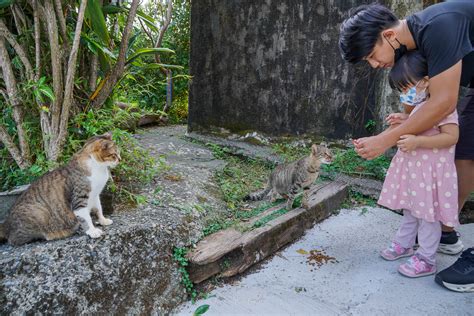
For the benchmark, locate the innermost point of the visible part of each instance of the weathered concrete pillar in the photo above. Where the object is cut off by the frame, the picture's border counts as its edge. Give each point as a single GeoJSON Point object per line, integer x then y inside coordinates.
{"type": "Point", "coordinates": [274, 66]}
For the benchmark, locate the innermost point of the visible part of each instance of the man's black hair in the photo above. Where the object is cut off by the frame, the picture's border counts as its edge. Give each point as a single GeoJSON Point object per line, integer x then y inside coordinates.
{"type": "Point", "coordinates": [408, 70]}
{"type": "Point", "coordinates": [361, 30]}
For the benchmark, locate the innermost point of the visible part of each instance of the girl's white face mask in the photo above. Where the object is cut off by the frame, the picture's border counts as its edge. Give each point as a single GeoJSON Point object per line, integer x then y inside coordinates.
{"type": "Point", "coordinates": [411, 97]}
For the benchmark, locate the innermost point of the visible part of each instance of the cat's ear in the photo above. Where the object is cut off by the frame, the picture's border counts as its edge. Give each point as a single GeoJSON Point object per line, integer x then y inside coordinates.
{"type": "Point", "coordinates": [107, 135]}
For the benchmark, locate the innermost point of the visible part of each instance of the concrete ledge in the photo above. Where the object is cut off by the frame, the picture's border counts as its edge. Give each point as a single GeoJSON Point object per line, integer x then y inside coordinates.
{"type": "Point", "coordinates": [130, 270]}
{"type": "Point", "coordinates": [239, 148]}
{"type": "Point", "coordinates": [8, 198]}
{"type": "Point", "coordinates": [229, 252]}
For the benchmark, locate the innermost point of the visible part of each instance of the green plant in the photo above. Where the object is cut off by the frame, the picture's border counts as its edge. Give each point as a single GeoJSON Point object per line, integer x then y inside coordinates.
{"type": "Point", "coordinates": [219, 152]}
{"type": "Point", "coordinates": [290, 152]}
{"type": "Point", "coordinates": [348, 161]}
{"type": "Point", "coordinates": [261, 222]}
{"type": "Point", "coordinates": [240, 177]}
{"type": "Point", "coordinates": [363, 211]}
{"type": "Point", "coordinates": [179, 254]}
{"type": "Point", "coordinates": [370, 126]}
{"type": "Point", "coordinates": [216, 226]}
{"type": "Point", "coordinates": [225, 264]}
{"type": "Point", "coordinates": [358, 199]}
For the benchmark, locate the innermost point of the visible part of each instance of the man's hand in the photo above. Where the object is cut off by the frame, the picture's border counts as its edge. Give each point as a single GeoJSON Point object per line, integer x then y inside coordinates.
{"type": "Point", "coordinates": [396, 118]}
{"type": "Point", "coordinates": [371, 147]}
{"type": "Point", "coordinates": [408, 142]}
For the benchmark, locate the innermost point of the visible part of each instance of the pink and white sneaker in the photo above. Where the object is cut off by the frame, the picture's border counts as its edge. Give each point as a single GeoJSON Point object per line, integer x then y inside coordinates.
{"type": "Point", "coordinates": [416, 267]}
{"type": "Point", "coordinates": [395, 251]}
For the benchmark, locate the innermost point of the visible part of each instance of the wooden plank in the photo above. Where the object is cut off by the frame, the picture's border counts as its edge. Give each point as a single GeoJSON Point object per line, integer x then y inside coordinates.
{"type": "Point", "coordinates": [229, 252]}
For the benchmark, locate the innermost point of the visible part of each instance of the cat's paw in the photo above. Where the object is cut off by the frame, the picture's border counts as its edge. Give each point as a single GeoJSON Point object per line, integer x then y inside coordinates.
{"type": "Point", "coordinates": [94, 232]}
{"type": "Point", "coordinates": [105, 221]}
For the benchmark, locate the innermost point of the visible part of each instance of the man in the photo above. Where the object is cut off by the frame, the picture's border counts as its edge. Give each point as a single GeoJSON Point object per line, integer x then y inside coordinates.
{"type": "Point", "coordinates": [444, 34]}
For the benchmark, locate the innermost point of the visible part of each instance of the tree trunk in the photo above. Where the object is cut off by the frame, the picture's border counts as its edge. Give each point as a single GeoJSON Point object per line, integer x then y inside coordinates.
{"type": "Point", "coordinates": [12, 92]}
{"type": "Point", "coordinates": [58, 143]}
{"type": "Point", "coordinates": [56, 58]}
{"type": "Point", "coordinates": [24, 160]}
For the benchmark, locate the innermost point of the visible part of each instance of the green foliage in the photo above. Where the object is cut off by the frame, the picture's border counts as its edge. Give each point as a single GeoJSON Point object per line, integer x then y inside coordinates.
{"type": "Point", "coordinates": [146, 82]}
{"type": "Point", "coordinates": [5, 3]}
{"type": "Point", "coordinates": [370, 126]}
{"type": "Point", "coordinates": [178, 114]}
{"type": "Point", "coordinates": [12, 176]}
{"type": "Point", "coordinates": [40, 91]}
{"type": "Point", "coordinates": [95, 17]}
{"type": "Point", "coordinates": [179, 254]}
{"type": "Point", "coordinates": [291, 153]}
{"type": "Point", "coordinates": [219, 152]}
{"type": "Point", "coordinates": [239, 178]}
{"type": "Point", "coordinates": [216, 226]}
{"type": "Point", "coordinates": [358, 199]}
{"type": "Point", "coordinates": [349, 162]}
{"type": "Point", "coordinates": [261, 222]}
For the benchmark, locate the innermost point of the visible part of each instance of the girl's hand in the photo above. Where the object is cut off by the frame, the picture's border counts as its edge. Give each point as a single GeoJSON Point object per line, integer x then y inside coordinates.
{"type": "Point", "coordinates": [396, 118]}
{"type": "Point", "coordinates": [408, 143]}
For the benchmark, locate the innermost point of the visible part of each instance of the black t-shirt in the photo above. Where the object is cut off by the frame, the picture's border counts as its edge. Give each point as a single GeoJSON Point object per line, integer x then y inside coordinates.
{"type": "Point", "coordinates": [444, 34]}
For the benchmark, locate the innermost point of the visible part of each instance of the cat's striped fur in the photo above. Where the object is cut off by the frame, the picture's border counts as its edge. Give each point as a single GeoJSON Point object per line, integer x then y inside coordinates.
{"type": "Point", "coordinates": [50, 207]}
{"type": "Point", "coordinates": [287, 180]}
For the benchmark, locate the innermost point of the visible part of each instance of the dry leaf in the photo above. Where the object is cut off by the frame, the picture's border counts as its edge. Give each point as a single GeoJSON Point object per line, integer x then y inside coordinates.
{"type": "Point", "coordinates": [302, 252]}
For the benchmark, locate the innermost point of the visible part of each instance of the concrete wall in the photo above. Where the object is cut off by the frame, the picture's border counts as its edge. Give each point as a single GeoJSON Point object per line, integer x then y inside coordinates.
{"type": "Point", "coordinates": [274, 66]}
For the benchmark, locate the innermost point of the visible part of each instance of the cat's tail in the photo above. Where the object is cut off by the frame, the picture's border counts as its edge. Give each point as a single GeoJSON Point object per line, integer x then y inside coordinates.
{"type": "Point", "coordinates": [257, 196]}
{"type": "Point", "coordinates": [3, 233]}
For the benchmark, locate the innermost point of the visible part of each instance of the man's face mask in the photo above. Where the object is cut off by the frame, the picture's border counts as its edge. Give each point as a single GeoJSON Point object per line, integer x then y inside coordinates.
{"type": "Point", "coordinates": [400, 51]}
{"type": "Point", "coordinates": [412, 98]}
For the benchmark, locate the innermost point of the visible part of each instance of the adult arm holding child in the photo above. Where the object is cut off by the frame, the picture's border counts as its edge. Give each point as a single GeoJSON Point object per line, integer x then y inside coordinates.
{"type": "Point", "coordinates": [447, 137]}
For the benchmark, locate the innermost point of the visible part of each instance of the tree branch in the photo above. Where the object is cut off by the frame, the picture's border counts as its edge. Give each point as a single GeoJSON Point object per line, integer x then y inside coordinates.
{"type": "Point", "coordinates": [10, 83]}
{"type": "Point", "coordinates": [69, 86]}
{"type": "Point", "coordinates": [7, 140]}
{"type": "Point", "coordinates": [56, 63]}
{"type": "Point", "coordinates": [18, 48]}
{"type": "Point", "coordinates": [165, 26]}
{"type": "Point", "coordinates": [37, 40]}
{"type": "Point", "coordinates": [62, 22]}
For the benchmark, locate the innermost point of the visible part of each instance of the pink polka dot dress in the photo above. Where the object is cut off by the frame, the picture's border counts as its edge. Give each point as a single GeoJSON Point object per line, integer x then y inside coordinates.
{"type": "Point", "coordinates": [424, 181]}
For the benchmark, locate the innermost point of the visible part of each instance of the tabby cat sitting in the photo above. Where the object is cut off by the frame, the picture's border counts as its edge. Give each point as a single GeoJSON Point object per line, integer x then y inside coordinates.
{"type": "Point", "coordinates": [287, 180]}
{"type": "Point", "coordinates": [57, 203]}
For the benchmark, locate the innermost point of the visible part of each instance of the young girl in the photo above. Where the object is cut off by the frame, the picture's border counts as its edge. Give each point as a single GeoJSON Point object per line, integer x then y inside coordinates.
{"type": "Point", "coordinates": [421, 179]}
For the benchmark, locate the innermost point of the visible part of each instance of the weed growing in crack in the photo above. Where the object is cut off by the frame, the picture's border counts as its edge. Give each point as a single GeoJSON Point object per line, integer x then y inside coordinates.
{"type": "Point", "coordinates": [179, 254]}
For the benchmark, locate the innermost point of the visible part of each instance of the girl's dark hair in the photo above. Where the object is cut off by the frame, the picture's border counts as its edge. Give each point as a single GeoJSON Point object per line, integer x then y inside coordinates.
{"type": "Point", "coordinates": [359, 33]}
{"type": "Point", "coordinates": [408, 70]}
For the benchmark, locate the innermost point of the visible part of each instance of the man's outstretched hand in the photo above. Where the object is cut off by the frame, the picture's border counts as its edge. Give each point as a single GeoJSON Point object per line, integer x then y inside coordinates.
{"type": "Point", "coordinates": [370, 147]}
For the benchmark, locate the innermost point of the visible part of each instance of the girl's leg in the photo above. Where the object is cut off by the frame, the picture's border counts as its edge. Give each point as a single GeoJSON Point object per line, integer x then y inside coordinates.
{"type": "Point", "coordinates": [402, 245]}
{"type": "Point", "coordinates": [429, 235]}
{"type": "Point", "coordinates": [406, 234]}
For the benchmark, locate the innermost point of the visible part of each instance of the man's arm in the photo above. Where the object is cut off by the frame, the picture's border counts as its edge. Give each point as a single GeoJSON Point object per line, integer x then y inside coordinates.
{"type": "Point", "coordinates": [444, 89]}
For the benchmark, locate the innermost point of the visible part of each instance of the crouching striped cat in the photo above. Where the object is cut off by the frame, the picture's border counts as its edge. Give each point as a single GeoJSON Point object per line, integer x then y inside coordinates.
{"type": "Point", "coordinates": [57, 203]}
{"type": "Point", "coordinates": [287, 180]}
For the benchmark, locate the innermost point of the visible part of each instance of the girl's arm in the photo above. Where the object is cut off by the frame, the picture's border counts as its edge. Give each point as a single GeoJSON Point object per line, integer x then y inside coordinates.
{"type": "Point", "coordinates": [446, 138]}
{"type": "Point", "coordinates": [398, 118]}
